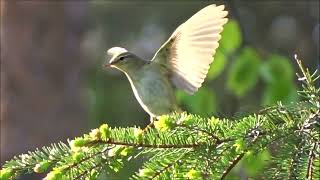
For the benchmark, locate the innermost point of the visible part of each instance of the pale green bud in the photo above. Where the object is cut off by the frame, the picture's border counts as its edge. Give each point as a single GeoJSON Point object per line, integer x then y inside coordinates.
{"type": "Point", "coordinates": [105, 132]}
{"type": "Point", "coordinates": [5, 173]}
{"type": "Point", "coordinates": [145, 172]}
{"type": "Point", "coordinates": [41, 167]}
{"type": "Point", "coordinates": [193, 174]}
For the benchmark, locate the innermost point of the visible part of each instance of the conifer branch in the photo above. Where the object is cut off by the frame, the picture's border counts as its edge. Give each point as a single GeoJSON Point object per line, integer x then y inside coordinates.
{"type": "Point", "coordinates": [311, 162]}
{"type": "Point", "coordinates": [165, 168]}
{"type": "Point", "coordinates": [232, 164]}
{"type": "Point", "coordinates": [185, 146]}
{"type": "Point", "coordinates": [141, 145]}
{"type": "Point", "coordinates": [218, 141]}
{"type": "Point", "coordinates": [86, 172]}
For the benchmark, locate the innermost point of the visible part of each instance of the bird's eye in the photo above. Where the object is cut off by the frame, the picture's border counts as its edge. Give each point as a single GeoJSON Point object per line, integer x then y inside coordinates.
{"type": "Point", "coordinates": [121, 58]}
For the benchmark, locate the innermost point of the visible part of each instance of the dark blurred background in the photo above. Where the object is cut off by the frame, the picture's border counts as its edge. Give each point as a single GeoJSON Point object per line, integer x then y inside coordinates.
{"type": "Point", "coordinates": [53, 86]}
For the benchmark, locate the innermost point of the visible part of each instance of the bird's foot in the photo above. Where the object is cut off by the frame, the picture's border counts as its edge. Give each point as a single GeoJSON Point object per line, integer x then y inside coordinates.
{"type": "Point", "coordinates": [150, 125]}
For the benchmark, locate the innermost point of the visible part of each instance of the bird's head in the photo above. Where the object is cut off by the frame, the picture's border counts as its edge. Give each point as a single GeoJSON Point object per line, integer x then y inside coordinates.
{"type": "Point", "coordinates": [122, 59]}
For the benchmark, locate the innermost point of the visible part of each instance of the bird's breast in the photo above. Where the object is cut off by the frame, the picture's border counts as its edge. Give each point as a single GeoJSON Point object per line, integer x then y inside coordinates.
{"type": "Point", "coordinates": [153, 91]}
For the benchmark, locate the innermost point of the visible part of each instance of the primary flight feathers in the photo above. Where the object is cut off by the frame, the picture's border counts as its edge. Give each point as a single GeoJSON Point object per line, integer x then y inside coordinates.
{"type": "Point", "coordinates": [189, 51]}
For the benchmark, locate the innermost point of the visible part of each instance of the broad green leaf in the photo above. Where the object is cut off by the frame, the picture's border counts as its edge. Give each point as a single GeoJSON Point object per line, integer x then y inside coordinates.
{"type": "Point", "coordinates": [203, 102]}
{"type": "Point", "coordinates": [278, 74]}
{"type": "Point", "coordinates": [277, 69]}
{"type": "Point", "coordinates": [231, 37]}
{"type": "Point", "coordinates": [243, 73]}
{"type": "Point", "coordinates": [217, 65]}
{"type": "Point", "coordinates": [285, 92]}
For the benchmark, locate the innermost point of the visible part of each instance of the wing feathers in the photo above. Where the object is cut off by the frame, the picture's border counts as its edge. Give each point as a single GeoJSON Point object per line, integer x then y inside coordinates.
{"type": "Point", "coordinates": [192, 46]}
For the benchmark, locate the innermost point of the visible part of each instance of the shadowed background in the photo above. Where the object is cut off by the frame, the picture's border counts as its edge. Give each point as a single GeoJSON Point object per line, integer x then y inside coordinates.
{"type": "Point", "coordinates": [53, 86]}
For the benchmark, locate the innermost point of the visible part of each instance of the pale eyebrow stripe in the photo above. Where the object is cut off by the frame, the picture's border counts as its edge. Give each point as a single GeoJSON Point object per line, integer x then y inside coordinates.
{"type": "Point", "coordinates": [124, 55]}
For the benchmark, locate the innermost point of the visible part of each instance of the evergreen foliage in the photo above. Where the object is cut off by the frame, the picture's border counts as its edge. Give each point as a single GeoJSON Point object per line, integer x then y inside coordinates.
{"type": "Point", "coordinates": [186, 146]}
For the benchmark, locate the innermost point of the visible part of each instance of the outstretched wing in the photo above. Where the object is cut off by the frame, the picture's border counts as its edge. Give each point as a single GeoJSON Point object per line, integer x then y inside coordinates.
{"type": "Point", "coordinates": [190, 49]}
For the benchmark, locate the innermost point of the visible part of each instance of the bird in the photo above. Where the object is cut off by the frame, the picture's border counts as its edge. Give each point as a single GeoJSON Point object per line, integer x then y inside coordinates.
{"type": "Point", "coordinates": [182, 62]}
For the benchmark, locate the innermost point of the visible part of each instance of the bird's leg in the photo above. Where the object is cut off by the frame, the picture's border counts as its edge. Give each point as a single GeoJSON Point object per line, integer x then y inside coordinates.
{"type": "Point", "coordinates": [151, 125]}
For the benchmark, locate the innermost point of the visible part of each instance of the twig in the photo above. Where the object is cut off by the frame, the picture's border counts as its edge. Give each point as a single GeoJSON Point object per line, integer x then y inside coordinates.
{"type": "Point", "coordinates": [202, 130]}
{"type": "Point", "coordinates": [87, 158]}
{"type": "Point", "coordinates": [238, 158]}
{"type": "Point", "coordinates": [165, 146]}
{"type": "Point", "coordinates": [310, 162]}
{"type": "Point", "coordinates": [90, 169]}
{"type": "Point", "coordinates": [233, 163]}
{"type": "Point", "coordinates": [295, 160]}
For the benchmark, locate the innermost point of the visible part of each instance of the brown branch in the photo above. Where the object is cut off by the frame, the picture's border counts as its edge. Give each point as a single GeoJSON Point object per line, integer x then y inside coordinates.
{"type": "Point", "coordinates": [87, 158]}
{"type": "Point", "coordinates": [295, 159]}
{"type": "Point", "coordinates": [162, 170]}
{"type": "Point", "coordinates": [202, 130]}
{"type": "Point", "coordinates": [166, 167]}
{"type": "Point", "coordinates": [238, 158]}
{"type": "Point", "coordinates": [90, 169]}
{"type": "Point", "coordinates": [219, 156]}
{"type": "Point", "coordinates": [164, 146]}
{"type": "Point", "coordinates": [310, 163]}
{"type": "Point", "coordinates": [233, 163]}
{"type": "Point", "coordinates": [248, 136]}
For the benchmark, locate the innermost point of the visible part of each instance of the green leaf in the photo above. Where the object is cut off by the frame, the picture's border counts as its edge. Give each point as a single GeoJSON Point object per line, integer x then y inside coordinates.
{"type": "Point", "coordinates": [278, 74]}
{"type": "Point", "coordinates": [285, 92]}
{"type": "Point", "coordinates": [277, 69]}
{"type": "Point", "coordinates": [217, 65]}
{"type": "Point", "coordinates": [231, 37]}
{"type": "Point", "coordinates": [203, 102]}
{"type": "Point", "coordinates": [243, 73]}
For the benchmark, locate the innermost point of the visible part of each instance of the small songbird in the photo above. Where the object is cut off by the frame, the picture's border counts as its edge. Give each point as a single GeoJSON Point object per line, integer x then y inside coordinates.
{"type": "Point", "coordinates": [182, 62]}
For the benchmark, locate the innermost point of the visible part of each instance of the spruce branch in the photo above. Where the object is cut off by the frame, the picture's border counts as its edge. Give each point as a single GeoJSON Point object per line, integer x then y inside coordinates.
{"type": "Point", "coordinates": [186, 146]}
{"type": "Point", "coordinates": [311, 157]}
{"type": "Point", "coordinates": [141, 145]}
{"type": "Point", "coordinates": [232, 164]}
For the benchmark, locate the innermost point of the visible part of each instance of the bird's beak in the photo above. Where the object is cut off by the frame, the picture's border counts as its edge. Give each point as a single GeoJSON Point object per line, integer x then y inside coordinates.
{"type": "Point", "coordinates": [107, 65]}
{"type": "Point", "coordinates": [110, 63]}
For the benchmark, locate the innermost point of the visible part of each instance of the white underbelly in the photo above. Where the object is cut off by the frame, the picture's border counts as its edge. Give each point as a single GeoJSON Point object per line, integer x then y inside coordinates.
{"type": "Point", "coordinates": [154, 94]}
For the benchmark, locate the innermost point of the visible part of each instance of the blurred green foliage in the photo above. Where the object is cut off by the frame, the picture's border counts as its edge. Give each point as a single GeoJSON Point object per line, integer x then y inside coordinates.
{"type": "Point", "coordinates": [247, 73]}
{"type": "Point", "coordinates": [106, 93]}
{"type": "Point", "coordinates": [254, 163]}
{"type": "Point", "coordinates": [219, 63]}
{"type": "Point", "coordinates": [278, 75]}
{"type": "Point", "coordinates": [203, 102]}
{"type": "Point", "coordinates": [231, 37]}
{"type": "Point", "coordinates": [243, 73]}
{"type": "Point", "coordinates": [246, 70]}
{"type": "Point", "coordinates": [238, 72]}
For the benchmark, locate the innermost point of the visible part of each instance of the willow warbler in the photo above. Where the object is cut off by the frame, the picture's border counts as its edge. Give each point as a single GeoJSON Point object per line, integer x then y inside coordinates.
{"type": "Point", "coordinates": [182, 62]}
